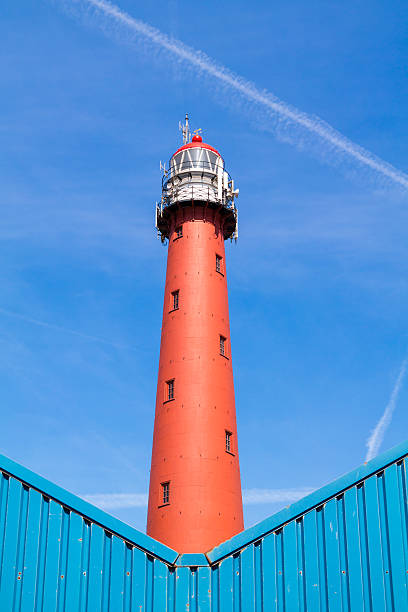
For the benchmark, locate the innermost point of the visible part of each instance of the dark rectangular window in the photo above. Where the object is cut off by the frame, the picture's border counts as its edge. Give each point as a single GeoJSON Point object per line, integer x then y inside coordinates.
{"type": "Point", "coordinates": [218, 263]}
{"type": "Point", "coordinates": [222, 345]}
{"type": "Point", "coordinates": [228, 441]}
{"type": "Point", "coordinates": [170, 389]}
{"type": "Point", "coordinates": [165, 498]}
{"type": "Point", "coordinates": [179, 231]}
{"type": "Point", "coordinates": [175, 301]}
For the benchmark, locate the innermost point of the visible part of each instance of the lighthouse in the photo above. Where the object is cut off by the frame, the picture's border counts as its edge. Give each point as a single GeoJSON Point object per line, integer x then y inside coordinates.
{"type": "Point", "coordinates": [195, 499]}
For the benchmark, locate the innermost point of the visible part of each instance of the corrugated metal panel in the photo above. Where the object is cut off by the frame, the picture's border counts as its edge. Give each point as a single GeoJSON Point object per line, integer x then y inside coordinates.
{"type": "Point", "coordinates": [68, 500]}
{"type": "Point", "coordinates": [344, 548]}
{"type": "Point", "coordinates": [349, 552]}
{"type": "Point", "coordinates": [55, 559]}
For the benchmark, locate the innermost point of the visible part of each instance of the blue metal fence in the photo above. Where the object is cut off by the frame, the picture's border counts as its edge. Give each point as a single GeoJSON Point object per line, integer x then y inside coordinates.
{"type": "Point", "coordinates": [343, 548]}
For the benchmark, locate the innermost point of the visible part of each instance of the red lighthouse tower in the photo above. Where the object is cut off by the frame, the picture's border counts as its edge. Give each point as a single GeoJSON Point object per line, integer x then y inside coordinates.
{"type": "Point", "coordinates": [195, 497]}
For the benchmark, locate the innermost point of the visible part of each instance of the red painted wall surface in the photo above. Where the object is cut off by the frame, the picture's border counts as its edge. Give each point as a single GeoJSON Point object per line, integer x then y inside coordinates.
{"type": "Point", "coordinates": [189, 442]}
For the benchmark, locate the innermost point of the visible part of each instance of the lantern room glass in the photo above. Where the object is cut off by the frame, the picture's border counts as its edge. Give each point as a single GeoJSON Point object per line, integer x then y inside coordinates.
{"type": "Point", "coordinates": [195, 159]}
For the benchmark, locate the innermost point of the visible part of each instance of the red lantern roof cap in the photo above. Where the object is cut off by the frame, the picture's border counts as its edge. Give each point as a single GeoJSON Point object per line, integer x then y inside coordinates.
{"type": "Point", "coordinates": [197, 142]}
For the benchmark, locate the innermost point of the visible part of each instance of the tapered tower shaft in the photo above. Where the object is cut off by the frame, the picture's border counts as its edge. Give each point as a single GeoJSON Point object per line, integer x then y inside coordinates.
{"type": "Point", "coordinates": [195, 491]}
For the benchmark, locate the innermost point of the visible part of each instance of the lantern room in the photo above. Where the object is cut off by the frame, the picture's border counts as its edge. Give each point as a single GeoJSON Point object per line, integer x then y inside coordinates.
{"type": "Point", "coordinates": [196, 177]}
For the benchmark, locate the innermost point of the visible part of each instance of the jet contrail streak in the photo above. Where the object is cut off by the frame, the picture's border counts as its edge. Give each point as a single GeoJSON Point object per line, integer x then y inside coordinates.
{"type": "Point", "coordinates": [289, 115]}
{"type": "Point", "coordinates": [377, 435]}
{"type": "Point", "coordinates": [65, 330]}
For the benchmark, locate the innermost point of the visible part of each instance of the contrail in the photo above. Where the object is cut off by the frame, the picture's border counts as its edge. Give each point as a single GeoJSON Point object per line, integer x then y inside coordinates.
{"type": "Point", "coordinates": [377, 435]}
{"type": "Point", "coordinates": [65, 330]}
{"type": "Point", "coordinates": [337, 146]}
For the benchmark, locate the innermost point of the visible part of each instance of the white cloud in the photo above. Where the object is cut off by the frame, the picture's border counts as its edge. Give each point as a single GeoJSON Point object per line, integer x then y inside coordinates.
{"type": "Point", "coordinates": [113, 501]}
{"type": "Point", "coordinates": [273, 496]}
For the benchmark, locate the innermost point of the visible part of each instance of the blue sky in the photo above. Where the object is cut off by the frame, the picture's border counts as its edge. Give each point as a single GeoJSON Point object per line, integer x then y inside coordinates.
{"type": "Point", "coordinates": [317, 281]}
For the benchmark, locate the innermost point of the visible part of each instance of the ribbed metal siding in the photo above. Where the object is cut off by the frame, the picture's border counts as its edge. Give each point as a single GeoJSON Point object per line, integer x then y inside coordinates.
{"type": "Point", "coordinates": [348, 553]}
{"type": "Point", "coordinates": [52, 558]}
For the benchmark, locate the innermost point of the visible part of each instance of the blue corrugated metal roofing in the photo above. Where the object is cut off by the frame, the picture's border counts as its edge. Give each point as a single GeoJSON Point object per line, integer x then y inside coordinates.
{"type": "Point", "coordinates": [82, 507]}
{"type": "Point", "coordinates": [318, 497]}
{"type": "Point", "coordinates": [345, 547]}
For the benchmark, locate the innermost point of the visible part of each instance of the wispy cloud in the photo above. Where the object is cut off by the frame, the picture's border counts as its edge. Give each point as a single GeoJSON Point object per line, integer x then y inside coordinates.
{"type": "Point", "coordinates": [114, 501]}
{"type": "Point", "coordinates": [377, 435]}
{"type": "Point", "coordinates": [273, 496]}
{"type": "Point", "coordinates": [285, 120]}
{"type": "Point", "coordinates": [65, 330]}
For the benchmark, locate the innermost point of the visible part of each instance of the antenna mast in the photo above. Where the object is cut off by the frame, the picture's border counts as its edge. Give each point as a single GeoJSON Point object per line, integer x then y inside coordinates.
{"type": "Point", "coordinates": [185, 130]}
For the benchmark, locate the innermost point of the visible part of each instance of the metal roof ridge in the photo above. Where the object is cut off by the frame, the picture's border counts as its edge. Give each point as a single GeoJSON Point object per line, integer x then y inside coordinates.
{"type": "Point", "coordinates": [239, 541]}
{"type": "Point", "coordinates": [89, 511]}
{"type": "Point", "coordinates": [192, 560]}
{"type": "Point", "coordinates": [318, 497]}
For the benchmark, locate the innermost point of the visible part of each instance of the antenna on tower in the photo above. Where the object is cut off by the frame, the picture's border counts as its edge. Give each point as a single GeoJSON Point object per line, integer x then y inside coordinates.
{"type": "Point", "coordinates": [185, 130]}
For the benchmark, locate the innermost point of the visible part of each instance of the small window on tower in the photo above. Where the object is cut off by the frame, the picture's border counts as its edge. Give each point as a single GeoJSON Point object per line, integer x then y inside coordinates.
{"type": "Point", "coordinates": [175, 299]}
{"type": "Point", "coordinates": [228, 441]}
{"type": "Point", "coordinates": [218, 264]}
{"type": "Point", "coordinates": [170, 390]}
{"type": "Point", "coordinates": [179, 231]}
{"type": "Point", "coordinates": [165, 493]}
{"type": "Point", "coordinates": [222, 345]}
